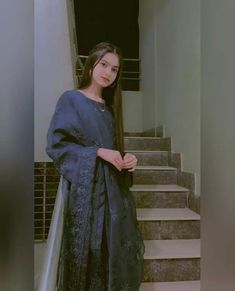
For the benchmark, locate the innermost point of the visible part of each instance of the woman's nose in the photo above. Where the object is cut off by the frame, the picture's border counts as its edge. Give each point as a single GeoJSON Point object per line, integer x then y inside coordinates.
{"type": "Point", "coordinates": [108, 71]}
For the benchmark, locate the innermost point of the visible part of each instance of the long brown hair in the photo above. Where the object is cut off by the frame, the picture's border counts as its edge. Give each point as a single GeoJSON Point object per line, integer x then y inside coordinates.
{"type": "Point", "coordinates": [111, 94]}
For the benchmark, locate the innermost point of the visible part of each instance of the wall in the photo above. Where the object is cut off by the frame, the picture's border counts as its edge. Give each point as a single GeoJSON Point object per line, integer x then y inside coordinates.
{"type": "Point", "coordinates": [53, 66]}
{"type": "Point", "coordinates": [177, 82]}
{"type": "Point", "coordinates": [218, 144]}
{"type": "Point", "coordinates": [147, 56]}
{"type": "Point", "coordinates": [16, 140]}
{"type": "Point", "coordinates": [132, 111]}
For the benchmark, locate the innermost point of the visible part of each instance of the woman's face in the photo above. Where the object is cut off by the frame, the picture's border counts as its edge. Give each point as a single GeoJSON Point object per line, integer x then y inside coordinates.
{"type": "Point", "coordinates": [106, 70]}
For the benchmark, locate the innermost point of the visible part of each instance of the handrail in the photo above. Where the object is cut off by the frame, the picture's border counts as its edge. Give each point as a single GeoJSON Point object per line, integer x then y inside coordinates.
{"type": "Point", "coordinates": [48, 277]}
{"type": "Point", "coordinates": [80, 68]}
{"type": "Point", "coordinates": [123, 72]}
{"type": "Point", "coordinates": [125, 59]}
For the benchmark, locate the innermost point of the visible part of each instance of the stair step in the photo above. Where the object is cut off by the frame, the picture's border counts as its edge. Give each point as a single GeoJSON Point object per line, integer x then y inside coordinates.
{"type": "Point", "coordinates": [155, 175]}
{"type": "Point", "coordinates": [154, 132]}
{"type": "Point", "coordinates": [147, 152]}
{"type": "Point", "coordinates": [165, 214]}
{"type": "Point", "coordinates": [142, 137]}
{"type": "Point", "coordinates": [141, 134]}
{"type": "Point", "coordinates": [147, 143]}
{"type": "Point", "coordinates": [162, 196]}
{"type": "Point", "coordinates": [168, 223]}
{"type": "Point", "coordinates": [156, 168]}
{"type": "Point", "coordinates": [151, 158]}
{"type": "Point", "coordinates": [172, 249]}
{"type": "Point", "coordinates": [159, 188]}
{"type": "Point", "coordinates": [171, 286]}
{"type": "Point", "coordinates": [171, 260]}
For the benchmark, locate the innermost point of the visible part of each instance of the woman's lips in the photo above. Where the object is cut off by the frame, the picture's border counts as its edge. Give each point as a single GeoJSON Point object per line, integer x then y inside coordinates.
{"type": "Point", "coordinates": [105, 79]}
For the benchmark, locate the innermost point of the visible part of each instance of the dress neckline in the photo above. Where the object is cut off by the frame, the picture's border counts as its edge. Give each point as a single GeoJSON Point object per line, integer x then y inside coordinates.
{"type": "Point", "coordinates": [87, 97]}
{"type": "Point", "coordinates": [97, 104]}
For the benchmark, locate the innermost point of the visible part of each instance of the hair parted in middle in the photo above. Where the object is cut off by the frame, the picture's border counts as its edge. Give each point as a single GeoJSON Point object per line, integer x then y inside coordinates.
{"type": "Point", "coordinates": [111, 94]}
{"type": "Point", "coordinates": [95, 55]}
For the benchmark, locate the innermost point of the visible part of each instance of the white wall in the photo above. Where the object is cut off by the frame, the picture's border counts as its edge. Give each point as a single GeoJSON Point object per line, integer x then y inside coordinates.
{"type": "Point", "coordinates": [177, 82]}
{"type": "Point", "coordinates": [132, 111]}
{"type": "Point", "coordinates": [218, 145]}
{"type": "Point", "coordinates": [53, 66]}
{"type": "Point", "coordinates": [147, 56]}
{"type": "Point", "coordinates": [16, 142]}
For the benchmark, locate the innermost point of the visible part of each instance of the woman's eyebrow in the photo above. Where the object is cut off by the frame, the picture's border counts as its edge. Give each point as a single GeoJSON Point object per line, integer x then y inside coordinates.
{"type": "Point", "coordinates": [110, 64]}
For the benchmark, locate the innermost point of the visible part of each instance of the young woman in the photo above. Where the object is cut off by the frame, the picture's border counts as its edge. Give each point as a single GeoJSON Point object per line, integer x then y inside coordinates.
{"type": "Point", "coordinates": [102, 248]}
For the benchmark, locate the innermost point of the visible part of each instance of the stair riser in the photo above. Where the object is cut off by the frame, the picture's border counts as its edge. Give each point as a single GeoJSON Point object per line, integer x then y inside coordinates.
{"type": "Point", "coordinates": [162, 144]}
{"type": "Point", "coordinates": [152, 159]}
{"type": "Point", "coordinates": [169, 229]}
{"type": "Point", "coordinates": [154, 177]}
{"type": "Point", "coordinates": [162, 270]}
{"type": "Point", "coordinates": [171, 286]}
{"type": "Point", "coordinates": [167, 270]}
{"type": "Point", "coordinates": [151, 132]}
{"type": "Point", "coordinates": [152, 199]}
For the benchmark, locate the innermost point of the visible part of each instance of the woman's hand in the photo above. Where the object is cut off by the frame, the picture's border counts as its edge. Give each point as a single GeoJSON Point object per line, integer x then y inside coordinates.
{"type": "Point", "coordinates": [112, 156]}
{"type": "Point", "coordinates": [130, 162]}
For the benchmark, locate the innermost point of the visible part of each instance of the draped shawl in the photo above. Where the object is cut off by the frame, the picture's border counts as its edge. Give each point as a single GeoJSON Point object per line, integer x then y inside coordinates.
{"type": "Point", "coordinates": [101, 248]}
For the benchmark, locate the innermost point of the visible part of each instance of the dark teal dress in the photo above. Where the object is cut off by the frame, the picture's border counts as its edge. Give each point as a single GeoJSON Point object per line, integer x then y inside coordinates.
{"type": "Point", "coordinates": [102, 248]}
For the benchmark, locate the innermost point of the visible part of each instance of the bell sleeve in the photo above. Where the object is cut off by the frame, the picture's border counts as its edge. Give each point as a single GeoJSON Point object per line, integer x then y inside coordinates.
{"type": "Point", "coordinates": [73, 155]}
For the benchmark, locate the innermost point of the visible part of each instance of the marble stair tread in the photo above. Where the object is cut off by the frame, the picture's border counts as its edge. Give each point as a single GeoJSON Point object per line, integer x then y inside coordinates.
{"type": "Point", "coordinates": [159, 188]}
{"type": "Point", "coordinates": [158, 168]}
{"type": "Point", "coordinates": [142, 137]}
{"type": "Point", "coordinates": [172, 249]}
{"type": "Point", "coordinates": [146, 151]}
{"type": "Point", "coordinates": [171, 286]}
{"type": "Point", "coordinates": [153, 214]}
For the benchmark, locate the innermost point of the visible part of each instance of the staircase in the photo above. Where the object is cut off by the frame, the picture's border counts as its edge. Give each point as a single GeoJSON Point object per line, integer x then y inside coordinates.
{"type": "Point", "coordinates": [171, 231]}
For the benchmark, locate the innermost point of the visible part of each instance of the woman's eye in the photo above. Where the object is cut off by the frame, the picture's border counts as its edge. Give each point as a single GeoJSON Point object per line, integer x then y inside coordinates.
{"type": "Point", "coordinates": [103, 64]}
{"type": "Point", "coordinates": [115, 70]}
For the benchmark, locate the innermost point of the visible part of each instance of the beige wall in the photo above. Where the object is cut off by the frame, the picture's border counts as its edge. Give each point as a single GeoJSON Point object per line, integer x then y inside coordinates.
{"type": "Point", "coordinates": [147, 56]}
{"type": "Point", "coordinates": [53, 66]}
{"type": "Point", "coordinates": [132, 111]}
{"type": "Point", "coordinates": [218, 145]}
{"type": "Point", "coordinates": [178, 78]}
{"type": "Point", "coordinates": [170, 53]}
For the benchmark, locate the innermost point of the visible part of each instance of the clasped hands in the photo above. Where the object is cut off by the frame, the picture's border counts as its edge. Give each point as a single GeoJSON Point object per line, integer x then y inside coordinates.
{"type": "Point", "coordinates": [129, 161]}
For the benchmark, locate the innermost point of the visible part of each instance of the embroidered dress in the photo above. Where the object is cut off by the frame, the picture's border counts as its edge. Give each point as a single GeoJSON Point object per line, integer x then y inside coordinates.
{"type": "Point", "coordinates": [101, 248]}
